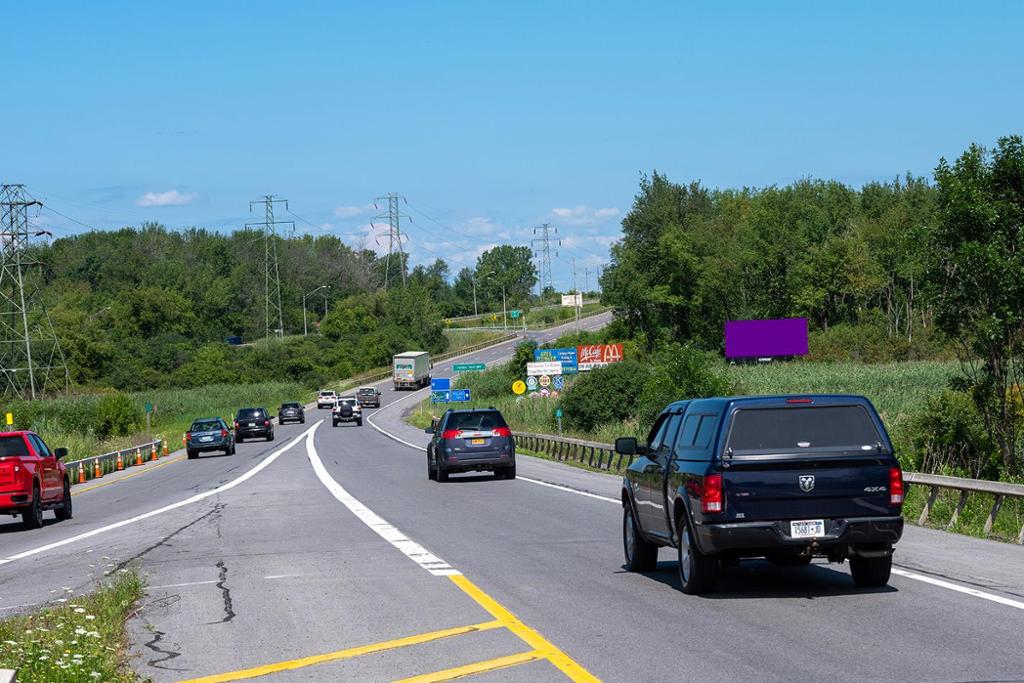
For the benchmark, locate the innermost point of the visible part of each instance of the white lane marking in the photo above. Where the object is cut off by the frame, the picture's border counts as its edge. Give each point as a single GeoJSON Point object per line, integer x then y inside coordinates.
{"type": "Point", "coordinates": [410, 548]}
{"type": "Point", "coordinates": [180, 585]}
{"type": "Point", "coordinates": [958, 588]}
{"type": "Point", "coordinates": [570, 490]}
{"type": "Point", "coordinates": [167, 508]}
{"type": "Point", "coordinates": [271, 577]}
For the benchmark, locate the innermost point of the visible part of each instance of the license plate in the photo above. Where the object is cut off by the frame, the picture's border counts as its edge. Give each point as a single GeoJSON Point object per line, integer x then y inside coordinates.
{"type": "Point", "coordinates": [206, 438]}
{"type": "Point", "coordinates": [477, 442]}
{"type": "Point", "coordinates": [808, 528]}
{"type": "Point", "coordinates": [252, 424]}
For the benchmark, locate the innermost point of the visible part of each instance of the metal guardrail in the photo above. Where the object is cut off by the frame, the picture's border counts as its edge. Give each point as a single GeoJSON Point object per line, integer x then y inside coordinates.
{"type": "Point", "coordinates": [106, 463]}
{"type": "Point", "coordinates": [603, 456]}
{"type": "Point", "coordinates": [545, 307]}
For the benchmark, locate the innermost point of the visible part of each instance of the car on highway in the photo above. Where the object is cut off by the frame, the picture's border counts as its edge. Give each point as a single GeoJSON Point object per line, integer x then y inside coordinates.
{"type": "Point", "coordinates": [369, 397]}
{"type": "Point", "coordinates": [209, 434]}
{"type": "Point", "coordinates": [254, 422]}
{"type": "Point", "coordinates": [472, 440]}
{"type": "Point", "coordinates": [291, 412]}
{"type": "Point", "coordinates": [347, 409]}
{"type": "Point", "coordinates": [33, 478]}
{"type": "Point", "coordinates": [786, 478]}
{"type": "Point", "coordinates": [325, 399]}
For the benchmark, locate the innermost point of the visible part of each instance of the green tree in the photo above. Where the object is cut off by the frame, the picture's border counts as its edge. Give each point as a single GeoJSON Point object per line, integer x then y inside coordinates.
{"type": "Point", "coordinates": [508, 266]}
{"type": "Point", "coordinates": [976, 272]}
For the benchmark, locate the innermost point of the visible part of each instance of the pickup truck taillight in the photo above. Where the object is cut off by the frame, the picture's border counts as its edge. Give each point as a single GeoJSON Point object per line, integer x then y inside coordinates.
{"type": "Point", "coordinates": [895, 486]}
{"type": "Point", "coordinates": [711, 494]}
{"type": "Point", "coordinates": [451, 434]}
{"type": "Point", "coordinates": [501, 431]}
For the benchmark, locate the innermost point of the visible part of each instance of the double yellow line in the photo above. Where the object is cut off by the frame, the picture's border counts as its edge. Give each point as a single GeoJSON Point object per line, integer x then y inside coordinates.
{"type": "Point", "coordinates": [541, 648]}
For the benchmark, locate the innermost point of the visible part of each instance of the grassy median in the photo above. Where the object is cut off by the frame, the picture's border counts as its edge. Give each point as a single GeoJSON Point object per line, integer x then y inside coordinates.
{"type": "Point", "coordinates": [75, 638]}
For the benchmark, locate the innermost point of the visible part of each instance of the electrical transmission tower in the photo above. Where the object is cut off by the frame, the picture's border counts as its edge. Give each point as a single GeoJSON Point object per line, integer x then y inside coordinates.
{"type": "Point", "coordinates": [394, 237]}
{"type": "Point", "coordinates": [548, 235]}
{"type": "Point", "coordinates": [31, 359]}
{"type": "Point", "coordinates": [274, 313]}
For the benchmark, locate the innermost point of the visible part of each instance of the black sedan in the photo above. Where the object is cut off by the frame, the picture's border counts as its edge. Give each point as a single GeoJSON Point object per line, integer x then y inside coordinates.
{"type": "Point", "coordinates": [291, 412]}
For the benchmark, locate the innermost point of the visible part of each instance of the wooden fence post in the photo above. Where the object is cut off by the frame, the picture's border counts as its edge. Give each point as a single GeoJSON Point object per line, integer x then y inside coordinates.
{"type": "Point", "coordinates": [959, 509]}
{"type": "Point", "coordinates": [932, 495]}
{"type": "Point", "coordinates": [992, 515]}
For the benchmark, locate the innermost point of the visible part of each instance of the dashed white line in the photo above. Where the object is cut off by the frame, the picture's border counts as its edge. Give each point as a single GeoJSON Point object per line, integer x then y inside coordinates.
{"type": "Point", "coordinates": [410, 548]}
{"type": "Point", "coordinates": [167, 508]}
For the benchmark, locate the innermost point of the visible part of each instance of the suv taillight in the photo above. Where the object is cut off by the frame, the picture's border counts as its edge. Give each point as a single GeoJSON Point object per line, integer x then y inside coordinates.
{"type": "Point", "coordinates": [188, 436]}
{"type": "Point", "coordinates": [451, 434]}
{"type": "Point", "coordinates": [223, 433]}
{"type": "Point", "coordinates": [266, 423]}
{"type": "Point", "coordinates": [236, 424]}
{"type": "Point", "coordinates": [501, 431]}
{"type": "Point", "coordinates": [895, 486]}
{"type": "Point", "coordinates": [711, 495]}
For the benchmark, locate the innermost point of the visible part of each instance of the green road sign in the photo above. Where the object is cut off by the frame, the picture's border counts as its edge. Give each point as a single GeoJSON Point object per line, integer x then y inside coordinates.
{"type": "Point", "coordinates": [515, 314]}
{"type": "Point", "coordinates": [149, 407]}
{"type": "Point", "coordinates": [469, 367]}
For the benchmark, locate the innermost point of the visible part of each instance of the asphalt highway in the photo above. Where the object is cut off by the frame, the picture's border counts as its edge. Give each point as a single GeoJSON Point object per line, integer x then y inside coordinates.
{"type": "Point", "coordinates": [328, 555]}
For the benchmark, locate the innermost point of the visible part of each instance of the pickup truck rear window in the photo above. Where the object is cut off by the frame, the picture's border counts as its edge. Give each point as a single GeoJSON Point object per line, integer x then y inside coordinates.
{"type": "Point", "coordinates": [13, 446]}
{"type": "Point", "coordinates": [792, 429]}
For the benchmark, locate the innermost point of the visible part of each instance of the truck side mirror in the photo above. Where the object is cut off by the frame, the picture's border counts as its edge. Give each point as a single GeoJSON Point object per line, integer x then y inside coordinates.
{"type": "Point", "coordinates": [625, 445]}
{"type": "Point", "coordinates": [60, 453]}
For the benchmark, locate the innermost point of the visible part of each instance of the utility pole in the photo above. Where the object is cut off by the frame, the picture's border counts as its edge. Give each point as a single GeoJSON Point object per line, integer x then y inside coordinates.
{"type": "Point", "coordinates": [30, 357]}
{"type": "Point", "coordinates": [394, 218]}
{"type": "Point", "coordinates": [548, 235]}
{"type": "Point", "coordinates": [586, 279]}
{"type": "Point", "coordinates": [577, 298]}
{"type": "Point", "coordinates": [272, 277]}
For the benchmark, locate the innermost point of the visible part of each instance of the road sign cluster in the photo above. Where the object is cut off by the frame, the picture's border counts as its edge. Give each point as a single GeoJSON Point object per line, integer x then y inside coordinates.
{"type": "Point", "coordinates": [441, 391]}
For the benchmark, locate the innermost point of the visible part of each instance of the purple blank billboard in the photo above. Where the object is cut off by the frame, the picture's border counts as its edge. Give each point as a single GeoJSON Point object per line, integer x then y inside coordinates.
{"type": "Point", "coordinates": [764, 338]}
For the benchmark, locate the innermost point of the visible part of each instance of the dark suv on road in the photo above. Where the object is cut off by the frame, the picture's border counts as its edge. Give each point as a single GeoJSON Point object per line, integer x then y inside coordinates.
{"type": "Point", "coordinates": [471, 441]}
{"type": "Point", "coordinates": [291, 412]}
{"type": "Point", "coordinates": [209, 434]}
{"type": "Point", "coordinates": [253, 422]}
{"type": "Point", "coordinates": [786, 478]}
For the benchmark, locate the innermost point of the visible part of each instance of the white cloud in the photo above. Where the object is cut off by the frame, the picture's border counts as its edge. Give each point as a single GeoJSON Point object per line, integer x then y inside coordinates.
{"type": "Point", "coordinates": [584, 215]}
{"type": "Point", "coordinates": [350, 211]}
{"type": "Point", "coordinates": [169, 198]}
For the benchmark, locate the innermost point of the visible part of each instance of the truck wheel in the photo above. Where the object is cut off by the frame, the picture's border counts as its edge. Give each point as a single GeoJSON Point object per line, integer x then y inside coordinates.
{"type": "Point", "coordinates": [32, 517]}
{"type": "Point", "coordinates": [431, 474]}
{"type": "Point", "coordinates": [697, 571]}
{"type": "Point", "coordinates": [641, 555]}
{"type": "Point", "coordinates": [359, 422]}
{"type": "Point", "coordinates": [442, 476]}
{"type": "Point", "coordinates": [192, 455]}
{"type": "Point", "coordinates": [871, 572]}
{"type": "Point", "coordinates": [334, 423]}
{"type": "Point", "coordinates": [302, 420]}
{"type": "Point", "coordinates": [239, 439]}
{"type": "Point", "coordinates": [65, 511]}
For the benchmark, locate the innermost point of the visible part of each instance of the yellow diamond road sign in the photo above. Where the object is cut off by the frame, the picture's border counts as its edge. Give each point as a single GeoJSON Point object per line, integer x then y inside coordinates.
{"type": "Point", "coordinates": [519, 387]}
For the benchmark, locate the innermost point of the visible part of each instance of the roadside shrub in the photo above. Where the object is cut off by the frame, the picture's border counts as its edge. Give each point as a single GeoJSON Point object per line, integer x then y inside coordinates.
{"type": "Point", "coordinates": [605, 395]}
{"type": "Point", "coordinates": [679, 372]}
{"type": "Point", "coordinates": [869, 342]}
{"type": "Point", "coordinates": [949, 437]}
{"type": "Point", "coordinates": [523, 355]}
{"type": "Point", "coordinates": [493, 383]}
{"type": "Point", "coordinates": [117, 415]}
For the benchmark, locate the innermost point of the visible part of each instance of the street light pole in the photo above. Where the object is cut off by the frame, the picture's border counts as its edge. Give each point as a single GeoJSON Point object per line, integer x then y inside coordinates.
{"type": "Point", "coordinates": [305, 327]}
{"type": "Point", "coordinates": [473, 280]}
{"type": "Point", "coordinates": [504, 319]}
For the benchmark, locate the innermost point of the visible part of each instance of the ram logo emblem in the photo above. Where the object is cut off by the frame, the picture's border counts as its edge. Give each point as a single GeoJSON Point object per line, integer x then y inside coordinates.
{"type": "Point", "coordinates": [806, 483]}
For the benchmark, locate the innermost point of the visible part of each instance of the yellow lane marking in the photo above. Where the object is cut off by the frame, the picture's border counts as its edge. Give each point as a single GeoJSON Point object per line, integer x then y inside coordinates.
{"type": "Point", "coordinates": [127, 476]}
{"type": "Point", "coordinates": [345, 654]}
{"type": "Point", "coordinates": [477, 668]}
{"type": "Point", "coordinates": [564, 662]}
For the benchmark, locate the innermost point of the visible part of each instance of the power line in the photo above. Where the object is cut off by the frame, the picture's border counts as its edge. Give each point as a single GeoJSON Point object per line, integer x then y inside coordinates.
{"type": "Point", "coordinates": [549, 234]}
{"type": "Point", "coordinates": [272, 275]}
{"type": "Point", "coordinates": [394, 218]}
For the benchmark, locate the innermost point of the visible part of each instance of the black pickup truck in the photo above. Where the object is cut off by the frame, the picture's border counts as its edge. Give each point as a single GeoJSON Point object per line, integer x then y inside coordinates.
{"type": "Point", "coordinates": [786, 478]}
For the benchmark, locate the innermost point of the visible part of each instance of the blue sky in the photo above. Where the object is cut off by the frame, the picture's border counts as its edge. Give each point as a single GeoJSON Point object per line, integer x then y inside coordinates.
{"type": "Point", "coordinates": [488, 117]}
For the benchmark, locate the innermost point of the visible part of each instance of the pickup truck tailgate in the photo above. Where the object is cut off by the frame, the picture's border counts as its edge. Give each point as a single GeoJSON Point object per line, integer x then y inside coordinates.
{"type": "Point", "coordinates": [780, 490]}
{"type": "Point", "coordinates": [7, 474]}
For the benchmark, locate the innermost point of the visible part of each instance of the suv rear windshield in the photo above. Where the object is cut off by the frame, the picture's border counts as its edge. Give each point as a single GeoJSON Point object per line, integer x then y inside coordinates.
{"type": "Point", "coordinates": [327, 393]}
{"type": "Point", "coordinates": [481, 420]}
{"type": "Point", "coordinates": [788, 429]}
{"type": "Point", "coordinates": [251, 413]}
{"type": "Point", "coordinates": [290, 405]}
{"type": "Point", "coordinates": [13, 447]}
{"type": "Point", "coordinates": [205, 426]}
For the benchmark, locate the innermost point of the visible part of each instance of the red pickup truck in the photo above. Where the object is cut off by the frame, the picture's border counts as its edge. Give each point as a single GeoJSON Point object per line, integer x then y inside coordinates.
{"type": "Point", "coordinates": [32, 479]}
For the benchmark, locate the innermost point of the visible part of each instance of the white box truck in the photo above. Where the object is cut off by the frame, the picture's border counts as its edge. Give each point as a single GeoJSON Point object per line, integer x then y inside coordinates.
{"type": "Point", "coordinates": [412, 370]}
